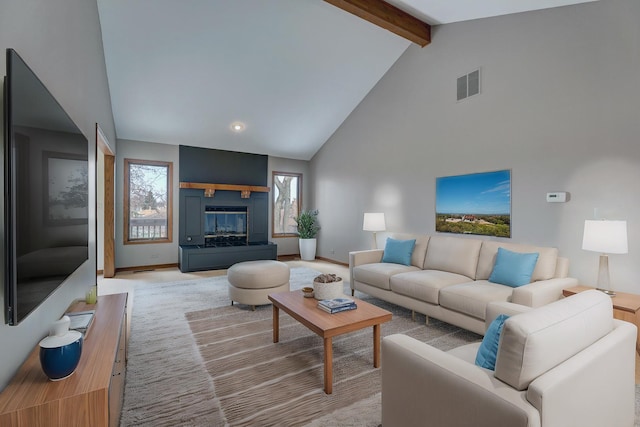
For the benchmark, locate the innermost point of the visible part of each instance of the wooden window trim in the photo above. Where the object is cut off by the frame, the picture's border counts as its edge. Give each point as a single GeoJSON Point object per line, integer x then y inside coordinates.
{"type": "Point", "coordinates": [299, 202]}
{"type": "Point", "coordinates": [169, 166]}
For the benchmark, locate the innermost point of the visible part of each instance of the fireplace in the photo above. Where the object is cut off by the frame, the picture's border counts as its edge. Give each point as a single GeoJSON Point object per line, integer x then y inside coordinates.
{"type": "Point", "coordinates": [225, 226]}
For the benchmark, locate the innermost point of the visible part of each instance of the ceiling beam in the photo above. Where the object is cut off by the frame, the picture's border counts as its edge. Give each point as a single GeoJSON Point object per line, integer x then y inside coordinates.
{"type": "Point", "coordinates": [388, 17]}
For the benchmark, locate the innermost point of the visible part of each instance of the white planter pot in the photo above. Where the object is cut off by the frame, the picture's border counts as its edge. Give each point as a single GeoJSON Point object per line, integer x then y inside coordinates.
{"type": "Point", "coordinates": [328, 290]}
{"type": "Point", "coordinates": [307, 249]}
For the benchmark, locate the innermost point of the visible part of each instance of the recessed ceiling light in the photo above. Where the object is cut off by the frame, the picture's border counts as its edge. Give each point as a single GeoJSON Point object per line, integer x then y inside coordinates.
{"type": "Point", "coordinates": [237, 126]}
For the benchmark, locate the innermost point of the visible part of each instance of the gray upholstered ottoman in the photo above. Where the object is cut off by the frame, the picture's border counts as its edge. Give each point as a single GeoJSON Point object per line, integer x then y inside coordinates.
{"type": "Point", "coordinates": [251, 282]}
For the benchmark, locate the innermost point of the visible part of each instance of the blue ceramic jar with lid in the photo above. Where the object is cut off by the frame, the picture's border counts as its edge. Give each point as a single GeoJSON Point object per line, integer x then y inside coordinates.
{"type": "Point", "coordinates": [60, 351]}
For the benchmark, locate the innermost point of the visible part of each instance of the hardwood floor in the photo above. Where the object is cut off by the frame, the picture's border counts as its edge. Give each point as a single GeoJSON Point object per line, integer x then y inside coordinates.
{"type": "Point", "coordinates": [125, 281]}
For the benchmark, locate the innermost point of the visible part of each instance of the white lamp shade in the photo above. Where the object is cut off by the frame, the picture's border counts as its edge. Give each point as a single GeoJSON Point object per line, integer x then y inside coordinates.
{"type": "Point", "coordinates": [605, 236]}
{"type": "Point", "coordinates": [374, 222]}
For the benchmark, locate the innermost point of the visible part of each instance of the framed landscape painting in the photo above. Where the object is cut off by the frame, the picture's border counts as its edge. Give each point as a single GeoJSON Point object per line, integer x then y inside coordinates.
{"type": "Point", "coordinates": [478, 203]}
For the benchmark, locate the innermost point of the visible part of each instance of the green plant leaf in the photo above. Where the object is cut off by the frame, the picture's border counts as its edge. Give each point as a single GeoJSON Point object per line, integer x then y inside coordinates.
{"type": "Point", "coordinates": [308, 224]}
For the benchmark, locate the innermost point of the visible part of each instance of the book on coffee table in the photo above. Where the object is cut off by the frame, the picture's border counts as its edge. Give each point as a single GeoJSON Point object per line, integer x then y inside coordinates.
{"type": "Point", "coordinates": [336, 302]}
{"type": "Point", "coordinates": [338, 309]}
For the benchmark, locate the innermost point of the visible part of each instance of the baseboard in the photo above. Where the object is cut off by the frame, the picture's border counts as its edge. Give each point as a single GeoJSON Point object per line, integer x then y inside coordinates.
{"type": "Point", "coordinates": [333, 261]}
{"type": "Point", "coordinates": [142, 268]}
{"type": "Point", "coordinates": [296, 257]}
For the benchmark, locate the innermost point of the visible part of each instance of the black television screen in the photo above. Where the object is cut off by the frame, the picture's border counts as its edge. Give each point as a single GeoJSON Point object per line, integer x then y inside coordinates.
{"type": "Point", "coordinates": [46, 192]}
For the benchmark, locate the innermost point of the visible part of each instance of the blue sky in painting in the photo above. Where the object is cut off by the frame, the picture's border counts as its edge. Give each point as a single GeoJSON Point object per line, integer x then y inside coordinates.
{"type": "Point", "coordinates": [480, 193]}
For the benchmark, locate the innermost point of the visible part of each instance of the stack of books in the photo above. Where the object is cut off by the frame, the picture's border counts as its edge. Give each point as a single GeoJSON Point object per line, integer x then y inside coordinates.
{"type": "Point", "coordinates": [336, 305]}
{"type": "Point", "coordinates": [81, 321]}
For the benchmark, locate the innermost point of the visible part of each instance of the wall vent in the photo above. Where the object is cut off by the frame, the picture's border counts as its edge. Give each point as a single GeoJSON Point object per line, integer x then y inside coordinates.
{"type": "Point", "coordinates": [468, 85]}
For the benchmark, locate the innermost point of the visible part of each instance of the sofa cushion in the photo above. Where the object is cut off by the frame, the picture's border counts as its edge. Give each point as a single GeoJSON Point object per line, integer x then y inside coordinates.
{"type": "Point", "coordinates": [398, 251]}
{"type": "Point", "coordinates": [488, 350]}
{"type": "Point", "coordinates": [424, 285]}
{"type": "Point", "coordinates": [536, 341]}
{"type": "Point", "coordinates": [420, 248]}
{"type": "Point", "coordinates": [466, 352]}
{"type": "Point", "coordinates": [378, 274]}
{"type": "Point", "coordinates": [472, 298]}
{"type": "Point", "coordinates": [513, 268]}
{"type": "Point", "coordinates": [453, 254]}
{"type": "Point", "coordinates": [545, 267]}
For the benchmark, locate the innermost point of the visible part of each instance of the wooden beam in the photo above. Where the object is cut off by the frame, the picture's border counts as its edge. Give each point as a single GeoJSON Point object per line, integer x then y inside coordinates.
{"type": "Point", "coordinates": [388, 17]}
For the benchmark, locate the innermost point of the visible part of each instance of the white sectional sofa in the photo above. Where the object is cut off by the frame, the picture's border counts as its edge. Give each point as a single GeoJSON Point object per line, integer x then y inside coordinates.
{"type": "Point", "coordinates": [448, 278]}
{"type": "Point", "coordinates": [568, 363]}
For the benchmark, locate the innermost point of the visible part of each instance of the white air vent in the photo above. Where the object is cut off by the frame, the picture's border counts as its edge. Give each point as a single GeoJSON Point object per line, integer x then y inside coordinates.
{"type": "Point", "coordinates": [468, 85]}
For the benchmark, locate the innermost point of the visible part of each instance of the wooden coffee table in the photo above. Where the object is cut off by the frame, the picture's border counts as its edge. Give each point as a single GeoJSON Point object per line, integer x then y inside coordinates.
{"type": "Point", "coordinates": [326, 325]}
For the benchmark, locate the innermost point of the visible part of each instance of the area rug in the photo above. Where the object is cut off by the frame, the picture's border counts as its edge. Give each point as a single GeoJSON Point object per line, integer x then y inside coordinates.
{"type": "Point", "coordinates": [228, 372]}
{"type": "Point", "coordinates": [259, 383]}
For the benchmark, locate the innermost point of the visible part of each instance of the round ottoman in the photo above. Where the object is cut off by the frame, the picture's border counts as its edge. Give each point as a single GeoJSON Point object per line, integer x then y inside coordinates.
{"type": "Point", "coordinates": [251, 282]}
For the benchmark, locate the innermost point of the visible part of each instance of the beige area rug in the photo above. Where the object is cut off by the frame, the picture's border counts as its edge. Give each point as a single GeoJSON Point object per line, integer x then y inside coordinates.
{"type": "Point", "coordinates": [228, 372]}
{"type": "Point", "coordinates": [259, 383]}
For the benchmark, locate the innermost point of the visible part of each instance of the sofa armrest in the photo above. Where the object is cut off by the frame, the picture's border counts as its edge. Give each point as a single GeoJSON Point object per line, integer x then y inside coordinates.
{"type": "Point", "coordinates": [600, 380]}
{"type": "Point", "coordinates": [543, 292]}
{"type": "Point", "coordinates": [423, 385]}
{"type": "Point", "coordinates": [496, 308]}
{"type": "Point", "coordinates": [357, 258]}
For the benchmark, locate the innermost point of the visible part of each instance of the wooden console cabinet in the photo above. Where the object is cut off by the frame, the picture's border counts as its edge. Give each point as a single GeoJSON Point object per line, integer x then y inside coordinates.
{"type": "Point", "coordinates": [92, 395]}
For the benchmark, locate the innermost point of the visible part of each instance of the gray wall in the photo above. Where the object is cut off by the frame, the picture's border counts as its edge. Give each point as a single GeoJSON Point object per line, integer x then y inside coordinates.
{"type": "Point", "coordinates": [153, 253]}
{"type": "Point", "coordinates": [62, 44]}
{"type": "Point", "coordinates": [559, 106]}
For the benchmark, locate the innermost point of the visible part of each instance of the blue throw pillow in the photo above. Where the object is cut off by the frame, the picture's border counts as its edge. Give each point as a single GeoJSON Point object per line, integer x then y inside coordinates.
{"type": "Point", "coordinates": [398, 251]}
{"type": "Point", "coordinates": [488, 350]}
{"type": "Point", "coordinates": [513, 268]}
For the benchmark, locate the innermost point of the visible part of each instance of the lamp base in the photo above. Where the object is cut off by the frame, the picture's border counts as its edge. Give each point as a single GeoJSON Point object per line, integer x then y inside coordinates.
{"type": "Point", "coordinates": [603, 275]}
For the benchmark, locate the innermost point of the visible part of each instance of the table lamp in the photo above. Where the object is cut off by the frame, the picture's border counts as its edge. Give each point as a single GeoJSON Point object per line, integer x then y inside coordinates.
{"type": "Point", "coordinates": [606, 237]}
{"type": "Point", "coordinates": [374, 222]}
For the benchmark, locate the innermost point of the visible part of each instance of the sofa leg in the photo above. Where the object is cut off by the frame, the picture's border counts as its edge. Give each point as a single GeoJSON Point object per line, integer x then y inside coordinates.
{"type": "Point", "coordinates": [413, 315]}
{"type": "Point", "coordinates": [426, 320]}
{"type": "Point", "coordinates": [231, 302]}
{"type": "Point", "coordinates": [353, 292]}
{"type": "Point", "coordinates": [253, 308]}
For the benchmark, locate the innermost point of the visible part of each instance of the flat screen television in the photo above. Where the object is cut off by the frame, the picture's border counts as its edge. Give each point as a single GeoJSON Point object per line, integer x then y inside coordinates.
{"type": "Point", "coordinates": [46, 196]}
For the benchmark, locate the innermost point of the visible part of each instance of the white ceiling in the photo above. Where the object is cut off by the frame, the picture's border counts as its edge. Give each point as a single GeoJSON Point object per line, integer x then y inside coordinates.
{"type": "Point", "coordinates": [180, 72]}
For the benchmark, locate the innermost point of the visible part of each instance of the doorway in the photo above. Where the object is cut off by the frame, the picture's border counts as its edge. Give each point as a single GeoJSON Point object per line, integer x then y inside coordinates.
{"type": "Point", "coordinates": [105, 167]}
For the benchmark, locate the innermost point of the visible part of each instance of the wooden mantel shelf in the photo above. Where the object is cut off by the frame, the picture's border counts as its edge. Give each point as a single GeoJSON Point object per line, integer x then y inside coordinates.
{"type": "Point", "coordinates": [210, 189]}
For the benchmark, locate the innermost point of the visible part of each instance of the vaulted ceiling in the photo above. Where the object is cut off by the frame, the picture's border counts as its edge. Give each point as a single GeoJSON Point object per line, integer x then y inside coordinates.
{"type": "Point", "coordinates": [290, 71]}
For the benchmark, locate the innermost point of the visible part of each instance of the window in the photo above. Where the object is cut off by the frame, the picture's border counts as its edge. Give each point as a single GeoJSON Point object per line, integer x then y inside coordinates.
{"type": "Point", "coordinates": [148, 198]}
{"type": "Point", "coordinates": [287, 201]}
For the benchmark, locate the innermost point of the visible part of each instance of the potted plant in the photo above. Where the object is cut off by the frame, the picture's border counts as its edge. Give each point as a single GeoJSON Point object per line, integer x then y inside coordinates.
{"type": "Point", "coordinates": [307, 231]}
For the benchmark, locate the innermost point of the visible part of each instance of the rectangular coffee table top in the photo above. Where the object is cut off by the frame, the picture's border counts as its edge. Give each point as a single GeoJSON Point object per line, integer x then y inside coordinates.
{"type": "Point", "coordinates": [326, 325]}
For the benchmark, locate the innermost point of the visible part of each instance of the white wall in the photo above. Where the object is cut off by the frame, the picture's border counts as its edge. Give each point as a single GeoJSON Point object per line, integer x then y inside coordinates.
{"type": "Point", "coordinates": [153, 253]}
{"type": "Point", "coordinates": [288, 245]}
{"type": "Point", "coordinates": [559, 106]}
{"type": "Point", "coordinates": [62, 44]}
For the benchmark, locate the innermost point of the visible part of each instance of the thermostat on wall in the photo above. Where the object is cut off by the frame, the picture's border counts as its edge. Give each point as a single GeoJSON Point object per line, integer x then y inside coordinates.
{"type": "Point", "coordinates": [557, 197]}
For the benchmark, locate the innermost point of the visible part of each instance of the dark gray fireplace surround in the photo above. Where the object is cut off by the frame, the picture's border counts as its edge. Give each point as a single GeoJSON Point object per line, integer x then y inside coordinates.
{"type": "Point", "coordinates": [206, 243]}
